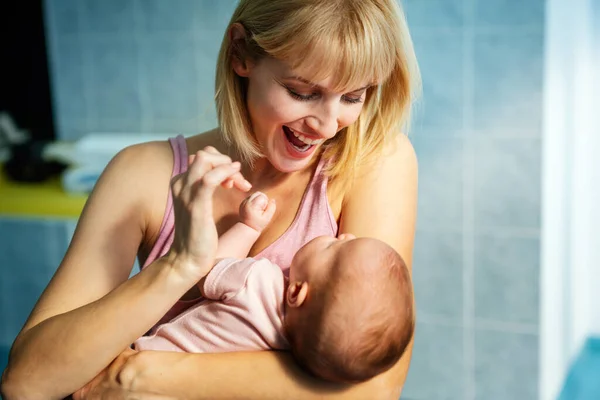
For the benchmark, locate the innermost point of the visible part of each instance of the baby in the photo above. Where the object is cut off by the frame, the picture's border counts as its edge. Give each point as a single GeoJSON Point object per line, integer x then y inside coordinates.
{"type": "Point", "coordinates": [346, 312]}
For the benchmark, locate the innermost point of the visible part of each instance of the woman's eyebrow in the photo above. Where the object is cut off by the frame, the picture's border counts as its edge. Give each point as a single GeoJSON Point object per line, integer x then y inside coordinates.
{"type": "Point", "coordinates": [314, 85]}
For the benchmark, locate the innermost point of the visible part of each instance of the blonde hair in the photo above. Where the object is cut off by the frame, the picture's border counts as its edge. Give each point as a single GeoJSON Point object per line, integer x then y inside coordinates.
{"type": "Point", "coordinates": [352, 41]}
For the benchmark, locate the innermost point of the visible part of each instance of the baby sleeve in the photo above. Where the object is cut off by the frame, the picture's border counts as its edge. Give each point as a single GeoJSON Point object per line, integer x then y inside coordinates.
{"type": "Point", "coordinates": [227, 278]}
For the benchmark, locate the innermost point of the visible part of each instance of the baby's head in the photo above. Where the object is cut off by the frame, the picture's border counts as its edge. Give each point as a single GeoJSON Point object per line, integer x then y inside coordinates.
{"type": "Point", "coordinates": [349, 307]}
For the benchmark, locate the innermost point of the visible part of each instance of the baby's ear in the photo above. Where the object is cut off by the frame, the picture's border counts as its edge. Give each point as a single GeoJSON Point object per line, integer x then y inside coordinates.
{"type": "Point", "coordinates": [296, 293]}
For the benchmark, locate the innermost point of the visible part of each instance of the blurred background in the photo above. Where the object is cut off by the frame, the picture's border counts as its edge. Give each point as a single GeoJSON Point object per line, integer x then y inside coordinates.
{"type": "Point", "coordinates": [494, 320]}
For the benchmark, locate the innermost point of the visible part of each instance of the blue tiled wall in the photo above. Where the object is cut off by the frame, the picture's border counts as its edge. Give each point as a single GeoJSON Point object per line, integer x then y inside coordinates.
{"type": "Point", "coordinates": [134, 65]}
{"type": "Point", "coordinates": [478, 137]}
{"type": "Point", "coordinates": [131, 65]}
{"type": "Point", "coordinates": [30, 251]}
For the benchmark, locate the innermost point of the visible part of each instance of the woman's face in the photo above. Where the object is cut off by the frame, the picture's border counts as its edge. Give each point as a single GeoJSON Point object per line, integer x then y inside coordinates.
{"type": "Point", "coordinates": [291, 116]}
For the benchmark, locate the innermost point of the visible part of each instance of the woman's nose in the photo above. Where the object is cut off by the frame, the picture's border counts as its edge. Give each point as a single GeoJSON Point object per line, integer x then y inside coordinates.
{"type": "Point", "coordinates": [324, 121]}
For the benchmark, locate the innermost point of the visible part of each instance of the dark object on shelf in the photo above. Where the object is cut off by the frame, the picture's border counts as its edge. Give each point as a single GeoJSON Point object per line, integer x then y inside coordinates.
{"type": "Point", "coordinates": [27, 165]}
{"type": "Point", "coordinates": [25, 83]}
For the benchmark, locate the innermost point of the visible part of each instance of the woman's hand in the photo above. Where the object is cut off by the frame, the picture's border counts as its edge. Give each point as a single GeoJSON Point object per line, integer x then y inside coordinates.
{"type": "Point", "coordinates": [113, 383]}
{"type": "Point", "coordinates": [195, 241]}
{"type": "Point", "coordinates": [114, 393]}
{"type": "Point", "coordinates": [105, 383]}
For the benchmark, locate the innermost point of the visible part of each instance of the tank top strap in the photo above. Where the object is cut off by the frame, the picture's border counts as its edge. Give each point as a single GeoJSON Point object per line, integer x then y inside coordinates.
{"type": "Point", "coordinates": [316, 195]}
{"type": "Point", "coordinates": [180, 155]}
{"type": "Point", "coordinates": [167, 228]}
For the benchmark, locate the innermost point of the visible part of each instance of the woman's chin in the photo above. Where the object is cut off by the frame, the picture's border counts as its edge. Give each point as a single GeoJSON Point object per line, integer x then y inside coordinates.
{"type": "Point", "coordinates": [289, 166]}
{"type": "Point", "coordinates": [283, 161]}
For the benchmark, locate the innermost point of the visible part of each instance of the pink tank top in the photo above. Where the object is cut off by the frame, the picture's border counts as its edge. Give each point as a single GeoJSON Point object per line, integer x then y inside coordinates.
{"type": "Point", "coordinates": [314, 218]}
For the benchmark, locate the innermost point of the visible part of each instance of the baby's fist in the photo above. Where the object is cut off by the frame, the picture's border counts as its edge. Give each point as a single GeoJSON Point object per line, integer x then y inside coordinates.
{"type": "Point", "coordinates": [257, 210]}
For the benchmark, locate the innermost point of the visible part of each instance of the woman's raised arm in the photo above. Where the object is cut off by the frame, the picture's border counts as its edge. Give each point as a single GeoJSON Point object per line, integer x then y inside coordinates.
{"type": "Point", "coordinates": [90, 312]}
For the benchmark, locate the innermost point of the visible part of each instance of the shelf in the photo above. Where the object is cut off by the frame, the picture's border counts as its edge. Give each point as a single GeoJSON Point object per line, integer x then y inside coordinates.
{"type": "Point", "coordinates": [46, 199]}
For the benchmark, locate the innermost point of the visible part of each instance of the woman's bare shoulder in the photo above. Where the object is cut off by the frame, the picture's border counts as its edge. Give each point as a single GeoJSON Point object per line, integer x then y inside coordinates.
{"type": "Point", "coordinates": [151, 165]}
{"type": "Point", "coordinates": [399, 151]}
{"type": "Point", "coordinates": [209, 138]}
{"type": "Point", "coordinates": [388, 190]}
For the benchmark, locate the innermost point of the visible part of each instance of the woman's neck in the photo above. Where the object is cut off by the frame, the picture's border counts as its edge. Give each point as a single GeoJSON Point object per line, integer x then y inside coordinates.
{"type": "Point", "coordinates": [263, 174]}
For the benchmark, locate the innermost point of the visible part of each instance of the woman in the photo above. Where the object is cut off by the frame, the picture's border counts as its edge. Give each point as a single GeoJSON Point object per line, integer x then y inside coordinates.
{"type": "Point", "coordinates": [311, 98]}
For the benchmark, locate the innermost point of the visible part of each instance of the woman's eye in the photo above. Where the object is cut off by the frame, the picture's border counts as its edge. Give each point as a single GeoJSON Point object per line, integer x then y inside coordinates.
{"type": "Point", "coordinates": [302, 97]}
{"type": "Point", "coordinates": [352, 99]}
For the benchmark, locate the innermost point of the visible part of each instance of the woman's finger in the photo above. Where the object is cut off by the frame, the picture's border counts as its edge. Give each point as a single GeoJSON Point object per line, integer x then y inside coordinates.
{"type": "Point", "coordinates": [240, 182]}
{"type": "Point", "coordinates": [211, 149]}
{"type": "Point", "coordinates": [227, 184]}
{"type": "Point", "coordinates": [205, 188]}
{"type": "Point", "coordinates": [177, 183]}
{"type": "Point", "coordinates": [200, 164]}
{"type": "Point", "coordinates": [204, 162]}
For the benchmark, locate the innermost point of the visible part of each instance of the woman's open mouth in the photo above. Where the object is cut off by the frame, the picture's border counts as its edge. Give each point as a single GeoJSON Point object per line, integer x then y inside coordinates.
{"type": "Point", "coordinates": [298, 141]}
{"type": "Point", "coordinates": [294, 141]}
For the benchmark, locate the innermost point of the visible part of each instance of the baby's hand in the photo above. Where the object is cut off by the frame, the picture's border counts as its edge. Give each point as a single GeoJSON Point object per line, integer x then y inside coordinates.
{"type": "Point", "coordinates": [257, 210]}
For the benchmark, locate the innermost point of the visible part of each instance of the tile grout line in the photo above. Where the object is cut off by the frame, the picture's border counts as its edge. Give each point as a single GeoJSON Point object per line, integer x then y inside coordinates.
{"type": "Point", "coordinates": [196, 35]}
{"type": "Point", "coordinates": [489, 231]}
{"type": "Point", "coordinates": [517, 30]}
{"type": "Point", "coordinates": [468, 204]}
{"type": "Point", "coordinates": [88, 73]}
{"type": "Point", "coordinates": [146, 119]}
{"type": "Point", "coordinates": [508, 327]}
{"type": "Point", "coordinates": [482, 324]}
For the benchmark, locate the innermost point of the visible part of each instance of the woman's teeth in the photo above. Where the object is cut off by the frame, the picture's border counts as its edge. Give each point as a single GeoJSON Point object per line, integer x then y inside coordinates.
{"type": "Point", "coordinates": [301, 148]}
{"type": "Point", "coordinates": [304, 139]}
